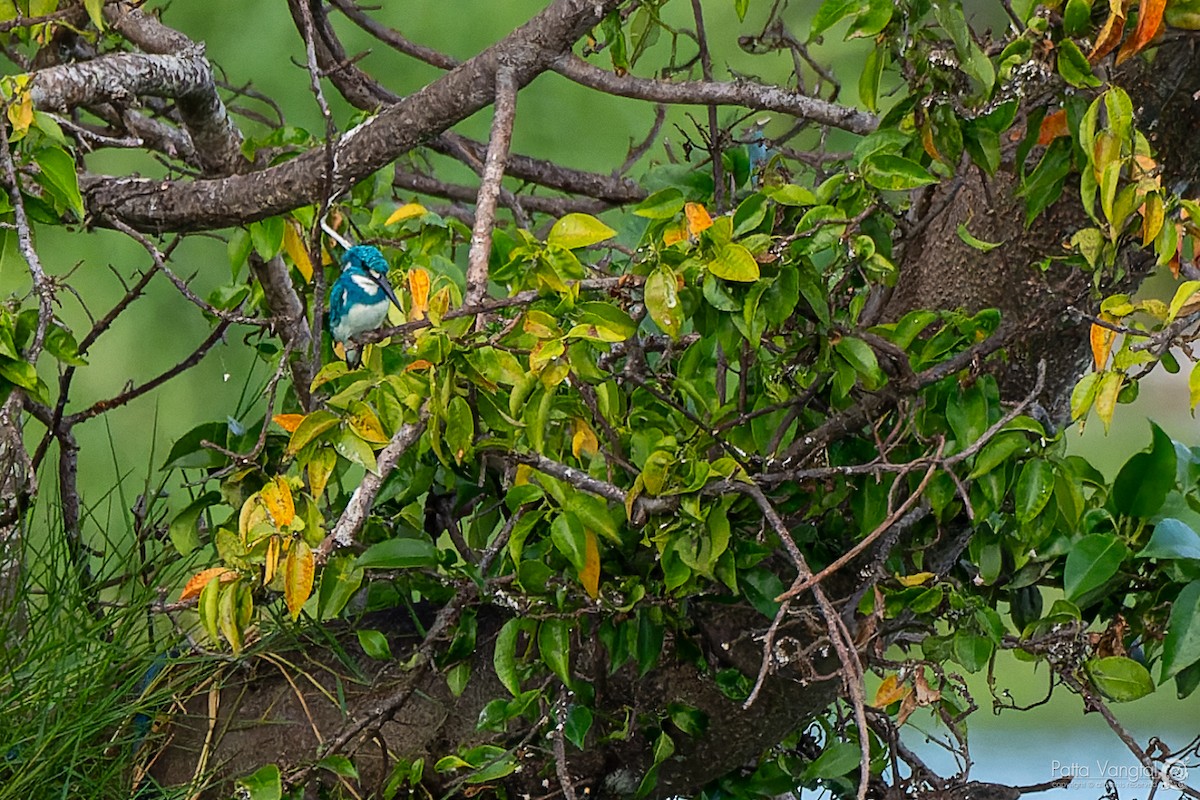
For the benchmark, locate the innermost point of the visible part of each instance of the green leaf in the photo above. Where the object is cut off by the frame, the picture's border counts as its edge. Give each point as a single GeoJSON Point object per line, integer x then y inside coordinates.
{"type": "Point", "coordinates": [894, 173]}
{"type": "Point", "coordinates": [972, 650]}
{"type": "Point", "coordinates": [1181, 647]}
{"type": "Point", "coordinates": [579, 230]}
{"type": "Point", "coordinates": [1093, 560]}
{"type": "Point", "coordinates": [267, 236]}
{"type": "Point", "coordinates": [1073, 66]}
{"type": "Point", "coordinates": [1142, 484]}
{"type": "Point", "coordinates": [398, 553]}
{"type": "Point", "coordinates": [661, 294]}
{"type": "Point", "coordinates": [996, 452]}
{"type": "Point", "coordinates": [1120, 679]}
{"type": "Point", "coordinates": [868, 79]}
{"type": "Point", "coordinates": [311, 427]}
{"type": "Point", "coordinates": [58, 169]}
{"type": "Point", "coordinates": [340, 580]}
{"type": "Point", "coordinates": [1045, 184]}
{"type": "Point", "coordinates": [833, 11]}
{"type": "Point", "coordinates": [978, 244]}
{"type": "Point", "coordinates": [355, 449]}
{"type": "Point", "coordinates": [663, 204]}
{"type": "Point", "coordinates": [339, 765]}
{"type": "Point", "coordinates": [860, 356]}
{"type": "Point", "coordinates": [569, 538]}
{"type": "Point", "coordinates": [873, 20]}
{"type": "Point", "coordinates": [1034, 487]}
{"type": "Point", "coordinates": [1172, 538]}
{"type": "Point", "coordinates": [460, 428]}
{"type": "Point", "coordinates": [554, 646]}
{"type": "Point", "coordinates": [1182, 295]}
{"type": "Point", "coordinates": [577, 725]}
{"type": "Point", "coordinates": [187, 452]}
{"type": "Point", "coordinates": [733, 262]}
{"type": "Point", "coordinates": [374, 644]}
{"type": "Point", "coordinates": [265, 783]}
{"type": "Point", "coordinates": [183, 531]}
{"type": "Point", "coordinates": [504, 657]}
{"type": "Point", "coordinates": [835, 761]}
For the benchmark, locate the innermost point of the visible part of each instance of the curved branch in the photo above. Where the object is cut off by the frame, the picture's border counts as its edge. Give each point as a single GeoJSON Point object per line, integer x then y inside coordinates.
{"type": "Point", "coordinates": [155, 205]}
{"type": "Point", "coordinates": [737, 93]}
{"type": "Point", "coordinates": [121, 78]}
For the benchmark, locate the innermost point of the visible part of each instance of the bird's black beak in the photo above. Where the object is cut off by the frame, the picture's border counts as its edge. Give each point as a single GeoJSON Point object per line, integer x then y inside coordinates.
{"type": "Point", "coordinates": [382, 282]}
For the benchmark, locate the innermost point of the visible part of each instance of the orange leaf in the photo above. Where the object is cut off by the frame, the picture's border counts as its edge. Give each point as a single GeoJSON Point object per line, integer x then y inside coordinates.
{"type": "Point", "coordinates": [1053, 126]}
{"type": "Point", "coordinates": [589, 576]}
{"type": "Point", "coordinates": [1102, 342]}
{"type": "Point", "coordinates": [928, 143]}
{"type": "Point", "coordinates": [674, 234]}
{"type": "Point", "coordinates": [289, 422]}
{"type": "Point", "coordinates": [418, 287]}
{"type": "Point", "coordinates": [1150, 22]}
{"type": "Point", "coordinates": [298, 576]}
{"type": "Point", "coordinates": [197, 582]}
{"type": "Point", "coordinates": [277, 497]}
{"type": "Point", "coordinates": [889, 692]}
{"type": "Point", "coordinates": [420, 363]}
{"type": "Point", "coordinates": [1110, 35]}
{"type": "Point", "coordinates": [697, 218]}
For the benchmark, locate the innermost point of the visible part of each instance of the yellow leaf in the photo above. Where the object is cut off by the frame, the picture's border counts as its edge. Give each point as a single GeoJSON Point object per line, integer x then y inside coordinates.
{"type": "Point", "coordinates": [1102, 339]}
{"type": "Point", "coordinates": [289, 422]}
{"type": "Point", "coordinates": [197, 582]}
{"type": "Point", "coordinates": [889, 692]}
{"type": "Point", "coordinates": [406, 211]}
{"type": "Point", "coordinates": [293, 244]}
{"type": "Point", "coordinates": [439, 305]}
{"type": "Point", "coordinates": [277, 497]}
{"type": "Point", "coordinates": [253, 512]}
{"type": "Point", "coordinates": [584, 441]}
{"type": "Point", "coordinates": [320, 466]}
{"type": "Point", "coordinates": [298, 576]}
{"type": "Point", "coordinates": [589, 576]}
{"type": "Point", "coordinates": [914, 580]}
{"type": "Point", "coordinates": [271, 562]}
{"type": "Point", "coordinates": [1152, 217]}
{"type": "Point", "coordinates": [365, 423]}
{"type": "Point", "coordinates": [227, 616]}
{"type": "Point", "coordinates": [523, 474]}
{"type": "Point", "coordinates": [697, 218]}
{"type": "Point", "coordinates": [418, 288]}
{"type": "Point", "coordinates": [1106, 396]}
{"type": "Point", "coordinates": [20, 114]}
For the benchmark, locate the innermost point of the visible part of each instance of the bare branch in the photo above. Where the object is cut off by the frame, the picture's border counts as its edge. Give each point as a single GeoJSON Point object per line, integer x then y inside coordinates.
{"type": "Point", "coordinates": [489, 189]}
{"type": "Point", "coordinates": [392, 38]}
{"type": "Point", "coordinates": [355, 515]}
{"type": "Point", "coordinates": [204, 204]}
{"type": "Point", "coordinates": [737, 93]}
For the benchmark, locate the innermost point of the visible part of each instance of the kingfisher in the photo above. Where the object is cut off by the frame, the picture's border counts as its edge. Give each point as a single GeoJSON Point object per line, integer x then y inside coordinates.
{"type": "Point", "coordinates": [359, 299]}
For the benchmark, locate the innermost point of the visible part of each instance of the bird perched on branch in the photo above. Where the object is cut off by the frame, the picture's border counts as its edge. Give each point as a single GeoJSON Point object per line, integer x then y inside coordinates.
{"type": "Point", "coordinates": [359, 299]}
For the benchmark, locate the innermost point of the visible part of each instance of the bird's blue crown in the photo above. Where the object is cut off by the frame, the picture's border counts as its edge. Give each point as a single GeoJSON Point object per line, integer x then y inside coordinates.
{"type": "Point", "coordinates": [365, 256]}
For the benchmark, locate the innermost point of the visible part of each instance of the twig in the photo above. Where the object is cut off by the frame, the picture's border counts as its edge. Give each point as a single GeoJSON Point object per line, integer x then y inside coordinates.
{"type": "Point", "coordinates": [493, 172]}
{"type": "Point", "coordinates": [560, 750]}
{"type": "Point", "coordinates": [714, 130]}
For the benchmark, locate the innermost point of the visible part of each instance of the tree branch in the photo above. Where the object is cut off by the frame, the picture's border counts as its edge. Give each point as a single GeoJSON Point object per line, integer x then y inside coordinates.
{"type": "Point", "coordinates": [157, 205]}
{"type": "Point", "coordinates": [489, 189]}
{"type": "Point", "coordinates": [737, 93]}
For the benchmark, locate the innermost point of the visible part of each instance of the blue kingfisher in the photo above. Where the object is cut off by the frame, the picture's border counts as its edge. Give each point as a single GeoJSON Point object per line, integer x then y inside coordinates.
{"type": "Point", "coordinates": [359, 299]}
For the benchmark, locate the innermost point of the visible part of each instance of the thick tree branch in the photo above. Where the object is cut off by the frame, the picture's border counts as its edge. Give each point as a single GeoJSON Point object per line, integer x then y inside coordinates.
{"type": "Point", "coordinates": [155, 205]}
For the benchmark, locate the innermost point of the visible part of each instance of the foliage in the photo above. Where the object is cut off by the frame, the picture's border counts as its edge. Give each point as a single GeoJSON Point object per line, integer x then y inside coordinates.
{"type": "Point", "coordinates": [692, 401]}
